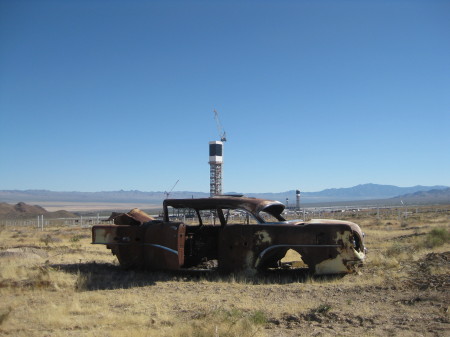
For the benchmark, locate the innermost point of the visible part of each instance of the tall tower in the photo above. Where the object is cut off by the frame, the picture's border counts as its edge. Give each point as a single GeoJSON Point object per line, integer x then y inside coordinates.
{"type": "Point", "coordinates": [297, 195]}
{"type": "Point", "coordinates": [215, 170]}
{"type": "Point", "coordinates": [216, 159]}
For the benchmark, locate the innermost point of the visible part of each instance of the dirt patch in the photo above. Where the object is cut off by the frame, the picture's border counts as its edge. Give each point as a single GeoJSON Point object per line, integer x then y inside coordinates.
{"type": "Point", "coordinates": [431, 272]}
{"type": "Point", "coordinates": [26, 253]}
{"type": "Point", "coordinates": [327, 320]}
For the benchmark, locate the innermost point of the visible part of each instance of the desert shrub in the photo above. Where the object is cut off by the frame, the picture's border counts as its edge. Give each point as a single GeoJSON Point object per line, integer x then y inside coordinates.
{"type": "Point", "coordinates": [82, 281]}
{"type": "Point", "coordinates": [47, 239]}
{"type": "Point", "coordinates": [18, 234]}
{"type": "Point", "coordinates": [381, 260]}
{"type": "Point", "coordinates": [437, 237]}
{"type": "Point", "coordinates": [4, 313]}
{"type": "Point", "coordinates": [76, 238]}
{"type": "Point", "coordinates": [395, 250]}
{"type": "Point", "coordinates": [258, 317]}
{"type": "Point", "coordinates": [321, 309]}
{"type": "Point", "coordinates": [227, 323]}
{"type": "Point", "coordinates": [376, 222]}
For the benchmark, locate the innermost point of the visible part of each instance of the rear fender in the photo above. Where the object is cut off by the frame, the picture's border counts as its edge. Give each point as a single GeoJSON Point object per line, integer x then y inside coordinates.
{"type": "Point", "coordinates": [164, 245]}
{"type": "Point", "coordinates": [152, 245]}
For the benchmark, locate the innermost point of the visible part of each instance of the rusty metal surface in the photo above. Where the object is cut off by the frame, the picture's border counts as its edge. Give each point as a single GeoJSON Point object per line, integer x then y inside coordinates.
{"type": "Point", "coordinates": [243, 247]}
{"type": "Point", "coordinates": [134, 217]}
{"type": "Point", "coordinates": [326, 246]}
{"type": "Point", "coordinates": [124, 242]}
{"type": "Point", "coordinates": [164, 245]}
{"type": "Point", "coordinates": [154, 245]}
{"type": "Point", "coordinates": [252, 205]}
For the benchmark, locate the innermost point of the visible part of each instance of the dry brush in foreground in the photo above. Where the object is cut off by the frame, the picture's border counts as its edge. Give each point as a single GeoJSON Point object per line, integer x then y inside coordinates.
{"type": "Point", "coordinates": [55, 283]}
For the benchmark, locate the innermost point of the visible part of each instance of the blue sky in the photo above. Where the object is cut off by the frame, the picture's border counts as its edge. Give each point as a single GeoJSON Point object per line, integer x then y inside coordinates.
{"type": "Point", "coordinates": [109, 95]}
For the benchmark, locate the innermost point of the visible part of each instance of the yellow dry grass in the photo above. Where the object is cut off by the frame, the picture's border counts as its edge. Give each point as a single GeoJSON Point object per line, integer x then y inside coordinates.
{"type": "Point", "coordinates": [55, 283]}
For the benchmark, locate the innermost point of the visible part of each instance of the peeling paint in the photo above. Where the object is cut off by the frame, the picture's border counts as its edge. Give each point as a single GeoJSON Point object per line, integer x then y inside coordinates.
{"type": "Point", "coordinates": [103, 236]}
{"type": "Point", "coordinates": [331, 266]}
{"type": "Point", "coordinates": [262, 237]}
{"type": "Point", "coordinates": [343, 262]}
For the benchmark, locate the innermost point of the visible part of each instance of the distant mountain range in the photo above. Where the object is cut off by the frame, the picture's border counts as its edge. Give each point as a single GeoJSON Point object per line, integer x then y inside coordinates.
{"type": "Point", "coordinates": [436, 196]}
{"type": "Point", "coordinates": [23, 210]}
{"type": "Point", "coordinates": [356, 193]}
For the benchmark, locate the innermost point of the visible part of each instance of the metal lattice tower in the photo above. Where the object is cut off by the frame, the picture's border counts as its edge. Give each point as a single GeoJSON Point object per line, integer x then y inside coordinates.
{"type": "Point", "coordinates": [216, 159]}
{"type": "Point", "coordinates": [215, 171]}
{"type": "Point", "coordinates": [215, 179]}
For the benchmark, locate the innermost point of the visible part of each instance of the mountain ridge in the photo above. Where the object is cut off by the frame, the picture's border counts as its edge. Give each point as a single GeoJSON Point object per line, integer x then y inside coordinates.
{"type": "Point", "coordinates": [23, 210]}
{"type": "Point", "coordinates": [359, 192]}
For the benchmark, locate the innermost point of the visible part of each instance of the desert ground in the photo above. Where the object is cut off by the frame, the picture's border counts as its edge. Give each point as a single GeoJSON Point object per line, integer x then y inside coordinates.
{"type": "Point", "coordinates": [53, 282]}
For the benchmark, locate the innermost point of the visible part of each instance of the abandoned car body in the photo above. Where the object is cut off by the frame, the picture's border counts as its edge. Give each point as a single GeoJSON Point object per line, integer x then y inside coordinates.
{"type": "Point", "coordinates": [250, 234]}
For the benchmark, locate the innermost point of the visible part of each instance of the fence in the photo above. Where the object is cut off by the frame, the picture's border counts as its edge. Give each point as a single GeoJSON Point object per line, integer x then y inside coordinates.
{"type": "Point", "coordinates": [306, 213]}
{"type": "Point", "coordinates": [41, 222]}
{"type": "Point", "coordinates": [379, 212]}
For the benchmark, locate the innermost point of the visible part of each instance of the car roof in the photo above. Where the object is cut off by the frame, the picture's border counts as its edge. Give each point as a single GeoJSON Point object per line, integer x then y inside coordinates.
{"type": "Point", "coordinates": [252, 205]}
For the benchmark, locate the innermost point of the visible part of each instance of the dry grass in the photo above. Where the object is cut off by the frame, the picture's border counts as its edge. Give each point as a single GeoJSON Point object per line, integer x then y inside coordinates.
{"type": "Point", "coordinates": [55, 283]}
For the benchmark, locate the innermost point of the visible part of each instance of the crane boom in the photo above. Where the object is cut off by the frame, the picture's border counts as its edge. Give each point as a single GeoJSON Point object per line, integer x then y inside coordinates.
{"type": "Point", "coordinates": [168, 193]}
{"type": "Point", "coordinates": [222, 133]}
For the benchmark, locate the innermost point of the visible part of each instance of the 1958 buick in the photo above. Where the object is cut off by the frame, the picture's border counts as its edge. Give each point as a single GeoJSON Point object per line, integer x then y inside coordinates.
{"type": "Point", "coordinates": [236, 233]}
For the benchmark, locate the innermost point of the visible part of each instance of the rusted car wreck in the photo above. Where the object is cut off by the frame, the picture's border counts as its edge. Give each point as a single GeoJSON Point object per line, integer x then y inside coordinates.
{"type": "Point", "coordinates": [236, 233]}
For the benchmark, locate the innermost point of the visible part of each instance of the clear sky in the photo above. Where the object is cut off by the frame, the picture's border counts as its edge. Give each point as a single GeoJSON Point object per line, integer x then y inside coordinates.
{"type": "Point", "coordinates": [109, 95]}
